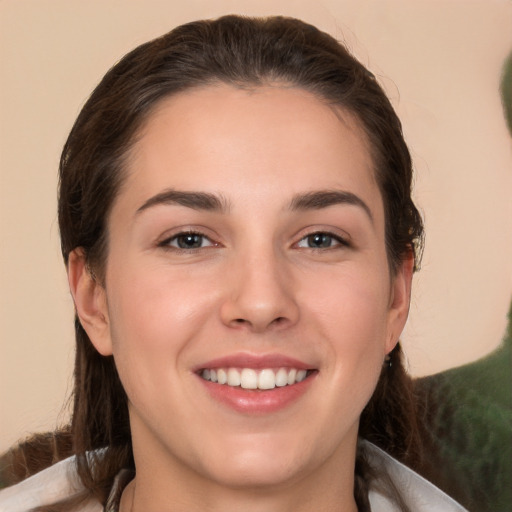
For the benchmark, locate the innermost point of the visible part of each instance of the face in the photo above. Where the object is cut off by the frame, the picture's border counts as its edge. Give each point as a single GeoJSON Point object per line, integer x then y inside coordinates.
{"type": "Point", "coordinates": [247, 298]}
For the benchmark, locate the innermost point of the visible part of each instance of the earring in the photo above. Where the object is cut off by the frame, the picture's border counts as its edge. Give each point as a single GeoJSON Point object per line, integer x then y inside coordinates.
{"type": "Point", "coordinates": [387, 361]}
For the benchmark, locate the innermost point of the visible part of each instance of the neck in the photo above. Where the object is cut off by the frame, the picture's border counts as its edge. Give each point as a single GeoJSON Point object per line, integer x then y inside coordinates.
{"type": "Point", "coordinates": [251, 472]}
{"type": "Point", "coordinates": [170, 489]}
{"type": "Point", "coordinates": [136, 499]}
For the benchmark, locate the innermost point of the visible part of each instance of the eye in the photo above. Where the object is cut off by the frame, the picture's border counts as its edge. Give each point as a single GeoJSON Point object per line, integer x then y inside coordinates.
{"type": "Point", "coordinates": [321, 240]}
{"type": "Point", "coordinates": [188, 240]}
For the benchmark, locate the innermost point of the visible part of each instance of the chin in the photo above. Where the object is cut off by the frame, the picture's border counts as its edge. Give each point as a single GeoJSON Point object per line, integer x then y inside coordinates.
{"type": "Point", "coordinates": [261, 463]}
{"type": "Point", "coordinates": [252, 471]}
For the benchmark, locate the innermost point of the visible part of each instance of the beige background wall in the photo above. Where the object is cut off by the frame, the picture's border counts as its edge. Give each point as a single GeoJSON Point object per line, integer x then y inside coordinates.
{"type": "Point", "coordinates": [440, 60]}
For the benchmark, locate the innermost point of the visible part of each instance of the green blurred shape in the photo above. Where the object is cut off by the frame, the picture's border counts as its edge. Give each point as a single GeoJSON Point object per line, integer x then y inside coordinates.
{"type": "Point", "coordinates": [506, 91]}
{"type": "Point", "coordinates": [468, 429]}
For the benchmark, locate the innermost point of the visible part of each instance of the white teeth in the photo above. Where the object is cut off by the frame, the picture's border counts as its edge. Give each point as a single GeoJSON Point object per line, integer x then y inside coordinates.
{"type": "Point", "coordinates": [233, 377]}
{"type": "Point", "coordinates": [267, 379]}
{"type": "Point", "coordinates": [222, 376]}
{"type": "Point", "coordinates": [248, 378]}
{"type": "Point", "coordinates": [281, 378]}
{"type": "Point", "coordinates": [301, 375]}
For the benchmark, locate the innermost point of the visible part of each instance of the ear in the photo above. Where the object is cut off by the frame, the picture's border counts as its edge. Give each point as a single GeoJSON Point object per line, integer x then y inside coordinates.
{"type": "Point", "coordinates": [90, 302]}
{"type": "Point", "coordinates": [400, 299]}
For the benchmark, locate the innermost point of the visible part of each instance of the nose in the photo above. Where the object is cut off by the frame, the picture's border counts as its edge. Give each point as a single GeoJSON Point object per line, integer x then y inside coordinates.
{"type": "Point", "coordinates": [259, 294]}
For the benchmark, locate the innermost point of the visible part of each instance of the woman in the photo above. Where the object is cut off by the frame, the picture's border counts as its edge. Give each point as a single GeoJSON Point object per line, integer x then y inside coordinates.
{"type": "Point", "coordinates": [237, 225]}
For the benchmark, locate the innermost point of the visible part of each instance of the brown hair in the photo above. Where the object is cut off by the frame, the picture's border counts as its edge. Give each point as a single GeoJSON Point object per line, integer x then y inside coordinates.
{"type": "Point", "coordinates": [241, 52]}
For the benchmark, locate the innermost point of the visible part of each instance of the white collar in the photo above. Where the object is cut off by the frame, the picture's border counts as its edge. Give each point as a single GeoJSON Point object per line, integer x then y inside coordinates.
{"type": "Point", "coordinates": [418, 493]}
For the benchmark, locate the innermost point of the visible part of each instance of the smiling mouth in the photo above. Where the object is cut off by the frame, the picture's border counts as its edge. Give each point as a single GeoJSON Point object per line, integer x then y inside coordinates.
{"type": "Point", "coordinates": [251, 379]}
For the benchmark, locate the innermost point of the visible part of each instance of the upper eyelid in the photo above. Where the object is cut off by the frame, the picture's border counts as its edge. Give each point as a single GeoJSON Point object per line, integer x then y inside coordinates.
{"type": "Point", "coordinates": [334, 232]}
{"type": "Point", "coordinates": [165, 241]}
{"type": "Point", "coordinates": [186, 230]}
{"type": "Point", "coordinates": [342, 241]}
{"type": "Point", "coordinates": [341, 235]}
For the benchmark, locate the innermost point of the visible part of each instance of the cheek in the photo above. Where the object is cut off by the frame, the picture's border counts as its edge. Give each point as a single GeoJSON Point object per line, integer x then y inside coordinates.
{"type": "Point", "coordinates": [352, 304]}
{"type": "Point", "coordinates": [154, 316]}
{"type": "Point", "coordinates": [154, 305]}
{"type": "Point", "coordinates": [351, 312]}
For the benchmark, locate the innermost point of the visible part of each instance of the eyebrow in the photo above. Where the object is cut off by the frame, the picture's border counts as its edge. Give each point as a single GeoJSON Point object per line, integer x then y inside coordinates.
{"type": "Point", "coordinates": [317, 200]}
{"type": "Point", "coordinates": [194, 200]}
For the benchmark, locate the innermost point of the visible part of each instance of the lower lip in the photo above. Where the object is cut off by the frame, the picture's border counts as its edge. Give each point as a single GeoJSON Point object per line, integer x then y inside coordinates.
{"type": "Point", "coordinates": [258, 401]}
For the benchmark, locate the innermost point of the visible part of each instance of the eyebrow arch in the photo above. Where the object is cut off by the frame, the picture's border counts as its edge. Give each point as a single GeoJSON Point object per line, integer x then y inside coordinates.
{"type": "Point", "coordinates": [194, 200]}
{"type": "Point", "coordinates": [319, 199]}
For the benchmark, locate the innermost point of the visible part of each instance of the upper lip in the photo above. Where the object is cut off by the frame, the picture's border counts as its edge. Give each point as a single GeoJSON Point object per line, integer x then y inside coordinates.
{"type": "Point", "coordinates": [255, 361]}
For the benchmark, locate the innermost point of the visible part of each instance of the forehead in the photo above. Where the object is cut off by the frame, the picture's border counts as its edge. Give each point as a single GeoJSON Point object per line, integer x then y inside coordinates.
{"type": "Point", "coordinates": [211, 137]}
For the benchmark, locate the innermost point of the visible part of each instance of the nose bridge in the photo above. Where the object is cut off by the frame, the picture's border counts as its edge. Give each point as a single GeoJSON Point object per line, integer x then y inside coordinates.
{"type": "Point", "coordinates": [261, 289]}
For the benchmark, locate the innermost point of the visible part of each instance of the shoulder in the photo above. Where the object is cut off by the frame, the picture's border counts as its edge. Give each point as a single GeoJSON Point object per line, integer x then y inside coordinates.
{"type": "Point", "coordinates": [418, 494]}
{"type": "Point", "coordinates": [56, 483]}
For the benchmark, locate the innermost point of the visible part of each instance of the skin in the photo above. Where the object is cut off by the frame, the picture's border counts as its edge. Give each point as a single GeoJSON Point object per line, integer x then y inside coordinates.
{"type": "Point", "coordinates": [257, 285]}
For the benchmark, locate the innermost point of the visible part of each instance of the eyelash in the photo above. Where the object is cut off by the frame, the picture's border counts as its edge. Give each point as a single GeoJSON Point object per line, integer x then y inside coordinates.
{"type": "Point", "coordinates": [338, 240]}
{"type": "Point", "coordinates": [168, 242]}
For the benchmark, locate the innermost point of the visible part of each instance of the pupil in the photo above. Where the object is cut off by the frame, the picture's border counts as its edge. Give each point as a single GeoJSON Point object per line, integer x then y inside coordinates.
{"type": "Point", "coordinates": [319, 240]}
{"type": "Point", "coordinates": [189, 241]}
